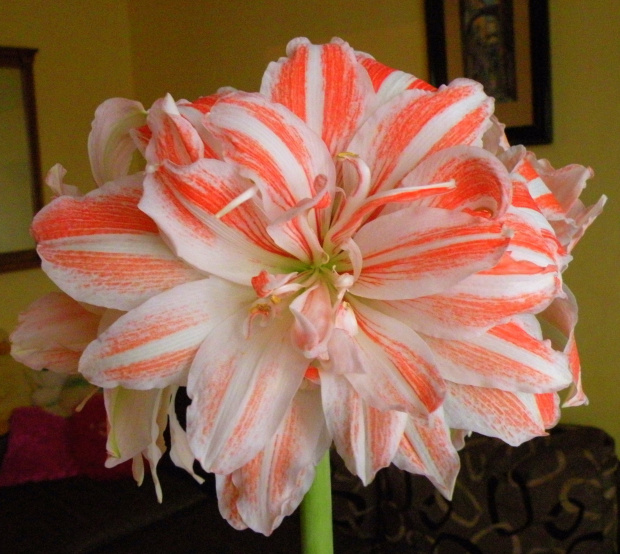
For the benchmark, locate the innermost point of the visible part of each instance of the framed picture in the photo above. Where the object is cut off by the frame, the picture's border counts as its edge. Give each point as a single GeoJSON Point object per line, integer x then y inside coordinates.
{"type": "Point", "coordinates": [20, 170]}
{"type": "Point", "coordinates": [504, 44]}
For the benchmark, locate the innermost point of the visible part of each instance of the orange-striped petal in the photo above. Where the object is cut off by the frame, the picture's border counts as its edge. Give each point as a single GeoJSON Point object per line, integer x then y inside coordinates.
{"type": "Point", "coordinates": [324, 86]}
{"type": "Point", "coordinates": [241, 384]}
{"type": "Point", "coordinates": [420, 251]}
{"type": "Point", "coordinates": [366, 438]}
{"type": "Point", "coordinates": [101, 249]}
{"type": "Point", "coordinates": [272, 485]}
{"type": "Point", "coordinates": [415, 124]}
{"type": "Point", "coordinates": [155, 344]}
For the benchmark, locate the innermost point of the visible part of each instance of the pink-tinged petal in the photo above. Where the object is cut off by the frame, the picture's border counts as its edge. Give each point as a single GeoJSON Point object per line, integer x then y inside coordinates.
{"type": "Point", "coordinates": [52, 333]}
{"type": "Point", "coordinates": [241, 383]}
{"type": "Point", "coordinates": [55, 179]}
{"type": "Point", "coordinates": [272, 485]}
{"type": "Point", "coordinates": [314, 316]}
{"type": "Point", "coordinates": [509, 416]}
{"type": "Point", "coordinates": [387, 363]}
{"type": "Point", "coordinates": [480, 301]}
{"type": "Point", "coordinates": [561, 316]}
{"type": "Point", "coordinates": [173, 137]}
{"type": "Point", "coordinates": [427, 449]}
{"type": "Point", "coordinates": [365, 438]}
{"type": "Point", "coordinates": [101, 249]}
{"type": "Point", "coordinates": [324, 86]}
{"type": "Point", "coordinates": [184, 202]}
{"type": "Point", "coordinates": [415, 124]}
{"type": "Point", "coordinates": [389, 82]}
{"type": "Point", "coordinates": [420, 251]}
{"type": "Point", "coordinates": [155, 344]}
{"type": "Point", "coordinates": [506, 357]}
{"type": "Point", "coordinates": [110, 144]}
{"type": "Point", "coordinates": [273, 148]}
{"type": "Point", "coordinates": [482, 184]}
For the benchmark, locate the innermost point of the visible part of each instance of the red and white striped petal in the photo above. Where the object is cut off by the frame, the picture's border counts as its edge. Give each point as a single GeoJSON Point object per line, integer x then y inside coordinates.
{"type": "Point", "coordinates": [415, 124]}
{"type": "Point", "coordinates": [366, 438]}
{"type": "Point", "coordinates": [506, 357]}
{"type": "Point", "coordinates": [387, 363]}
{"type": "Point", "coordinates": [155, 344]}
{"type": "Point", "coordinates": [561, 315]}
{"type": "Point", "coordinates": [173, 137]}
{"type": "Point", "coordinates": [101, 249]}
{"type": "Point", "coordinates": [184, 202]}
{"type": "Point", "coordinates": [389, 82]}
{"type": "Point", "coordinates": [241, 384]}
{"type": "Point", "coordinates": [509, 416]}
{"type": "Point", "coordinates": [195, 112]}
{"type": "Point", "coordinates": [420, 251]}
{"type": "Point", "coordinates": [480, 301]}
{"type": "Point", "coordinates": [52, 333]}
{"type": "Point", "coordinates": [272, 485]}
{"type": "Point", "coordinates": [324, 86]}
{"type": "Point", "coordinates": [110, 145]}
{"type": "Point", "coordinates": [549, 407]}
{"type": "Point", "coordinates": [427, 449]}
{"type": "Point", "coordinates": [482, 183]}
{"type": "Point", "coordinates": [273, 148]}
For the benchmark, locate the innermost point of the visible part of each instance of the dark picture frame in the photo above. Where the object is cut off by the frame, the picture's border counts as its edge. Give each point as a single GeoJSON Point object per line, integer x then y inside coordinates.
{"type": "Point", "coordinates": [528, 115]}
{"type": "Point", "coordinates": [20, 166]}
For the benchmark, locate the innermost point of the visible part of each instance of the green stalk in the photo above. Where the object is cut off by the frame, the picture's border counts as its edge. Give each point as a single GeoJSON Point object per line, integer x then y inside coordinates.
{"type": "Point", "coordinates": [316, 513]}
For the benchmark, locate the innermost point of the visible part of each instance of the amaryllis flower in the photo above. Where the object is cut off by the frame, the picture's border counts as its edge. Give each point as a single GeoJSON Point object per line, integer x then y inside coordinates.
{"type": "Point", "coordinates": [346, 256]}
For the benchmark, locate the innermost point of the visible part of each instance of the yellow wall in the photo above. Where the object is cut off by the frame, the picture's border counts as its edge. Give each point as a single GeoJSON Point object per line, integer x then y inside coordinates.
{"type": "Point", "coordinates": [84, 57]}
{"type": "Point", "coordinates": [192, 47]}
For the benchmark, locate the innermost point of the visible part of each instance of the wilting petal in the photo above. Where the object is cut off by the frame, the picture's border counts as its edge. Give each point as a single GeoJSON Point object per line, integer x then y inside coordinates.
{"type": "Point", "coordinates": [387, 363]}
{"type": "Point", "coordinates": [136, 424]}
{"type": "Point", "coordinates": [180, 451]}
{"type": "Point", "coordinates": [365, 438]}
{"type": "Point", "coordinates": [154, 344]}
{"type": "Point", "coordinates": [403, 261]}
{"type": "Point", "coordinates": [173, 137]}
{"type": "Point", "coordinates": [324, 86]}
{"type": "Point", "coordinates": [52, 333]}
{"type": "Point", "coordinates": [184, 200]}
{"type": "Point", "coordinates": [415, 124]}
{"type": "Point", "coordinates": [273, 484]}
{"type": "Point", "coordinates": [509, 416]}
{"type": "Point", "coordinates": [241, 387]}
{"type": "Point", "coordinates": [110, 145]}
{"type": "Point", "coordinates": [427, 449]}
{"type": "Point", "coordinates": [506, 357]}
{"type": "Point", "coordinates": [389, 82]}
{"type": "Point", "coordinates": [101, 249]}
{"type": "Point", "coordinates": [273, 147]}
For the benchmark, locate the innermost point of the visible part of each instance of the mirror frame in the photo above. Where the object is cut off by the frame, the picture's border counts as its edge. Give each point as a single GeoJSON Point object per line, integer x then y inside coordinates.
{"type": "Point", "coordinates": [23, 59]}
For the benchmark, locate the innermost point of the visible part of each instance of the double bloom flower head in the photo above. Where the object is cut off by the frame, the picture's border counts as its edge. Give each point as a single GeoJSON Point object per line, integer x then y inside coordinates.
{"type": "Point", "coordinates": [348, 256]}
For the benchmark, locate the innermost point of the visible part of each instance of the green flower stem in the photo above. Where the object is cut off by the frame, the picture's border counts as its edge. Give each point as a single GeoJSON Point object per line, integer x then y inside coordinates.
{"type": "Point", "coordinates": [316, 513]}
